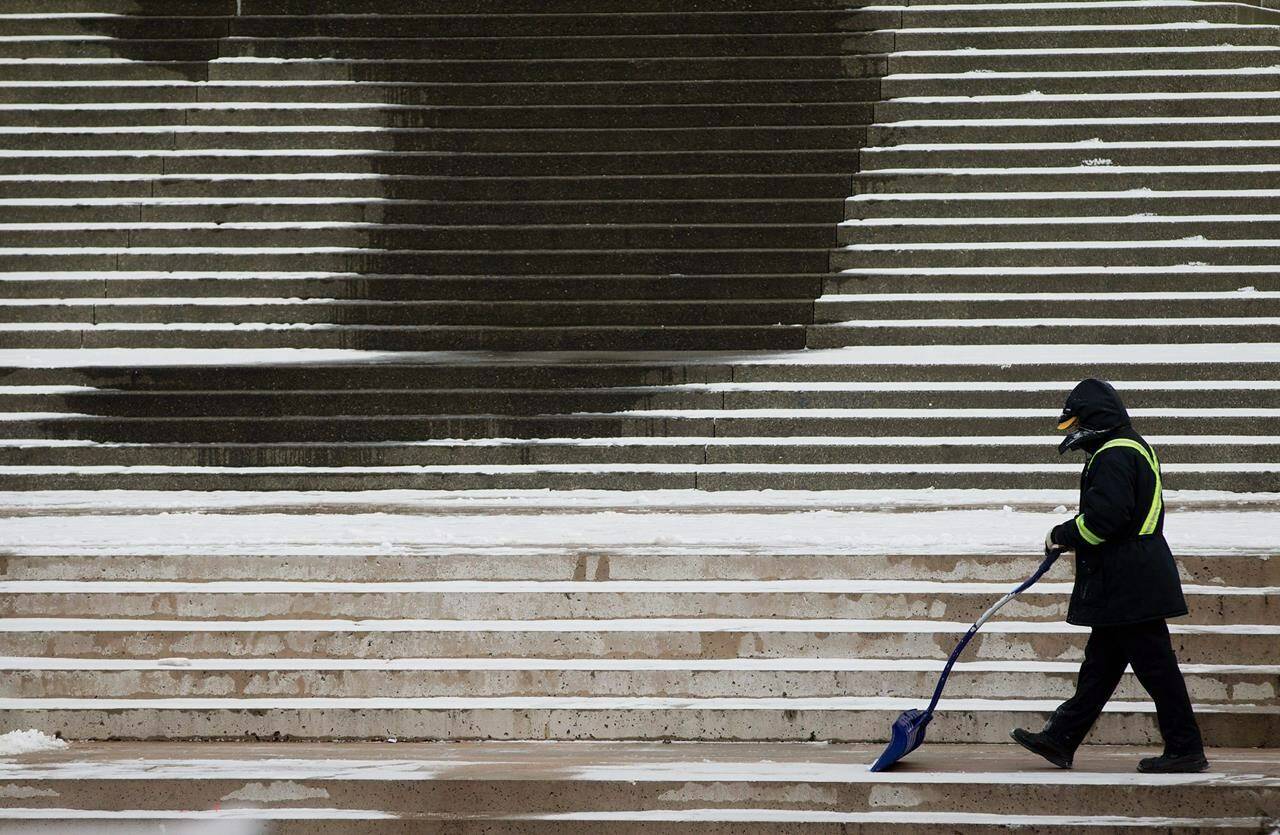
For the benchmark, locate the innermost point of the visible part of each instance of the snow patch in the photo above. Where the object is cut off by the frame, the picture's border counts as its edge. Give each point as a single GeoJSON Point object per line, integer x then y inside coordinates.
{"type": "Point", "coordinates": [26, 742]}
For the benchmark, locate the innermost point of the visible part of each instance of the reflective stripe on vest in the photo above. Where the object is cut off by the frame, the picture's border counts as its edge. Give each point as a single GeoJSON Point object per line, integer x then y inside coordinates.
{"type": "Point", "coordinates": [1157, 498]}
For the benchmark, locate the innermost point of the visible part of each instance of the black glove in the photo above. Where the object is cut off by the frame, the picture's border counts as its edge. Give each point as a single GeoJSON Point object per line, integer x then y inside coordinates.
{"type": "Point", "coordinates": [1051, 547]}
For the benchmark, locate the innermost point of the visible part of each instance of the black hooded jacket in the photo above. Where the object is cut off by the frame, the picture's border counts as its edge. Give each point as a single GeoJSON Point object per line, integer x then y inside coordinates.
{"type": "Point", "coordinates": [1125, 572]}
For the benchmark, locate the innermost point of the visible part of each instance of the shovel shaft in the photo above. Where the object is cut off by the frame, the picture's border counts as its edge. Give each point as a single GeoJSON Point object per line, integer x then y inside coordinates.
{"type": "Point", "coordinates": [1050, 557]}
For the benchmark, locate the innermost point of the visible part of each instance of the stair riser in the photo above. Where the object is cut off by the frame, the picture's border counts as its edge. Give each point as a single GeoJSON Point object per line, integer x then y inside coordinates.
{"type": "Point", "coordinates": [384, 402]}
{"type": "Point", "coordinates": [517, 95]}
{"type": "Point", "coordinates": [640, 137]}
{"type": "Point", "coordinates": [729, 68]}
{"type": "Point", "coordinates": [710, 312]}
{"type": "Point", "coordinates": [1033, 60]}
{"type": "Point", "coordinates": [1081, 179]}
{"type": "Point", "coordinates": [761, 479]}
{"type": "Point", "coordinates": [419, 561]}
{"type": "Point", "coordinates": [1113, 229]}
{"type": "Point", "coordinates": [560, 372]}
{"type": "Point", "coordinates": [419, 803]}
{"type": "Point", "coordinates": [993, 85]}
{"type": "Point", "coordinates": [442, 288]}
{"type": "Point", "coordinates": [1030, 606]}
{"type": "Point", "coordinates": [639, 46]}
{"type": "Point", "coordinates": [1046, 107]}
{"type": "Point", "coordinates": [415, 24]}
{"type": "Point", "coordinates": [436, 238]}
{"type": "Point", "coordinates": [407, 725]}
{"type": "Point", "coordinates": [459, 165]}
{"type": "Point", "coordinates": [514, 455]}
{"type": "Point", "coordinates": [728, 262]}
{"type": "Point", "coordinates": [1174, 254]}
{"type": "Point", "coordinates": [1190, 648]}
{"type": "Point", "coordinates": [1220, 130]}
{"type": "Point", "coordinates": [827, 211]}
{"type": "Point", "coordinates": [1084, 155]}
{"type": "Point", "coordinates": [1032, 38]}
{"type": "Point", "coordinates": [1122, 332]}
{"type": "Point", "coordinates": [1067, 206]}
{"type": "Point", "coordinates": [655, 338]}
{"type": "Point", "coordinates": [478, 189]}
{"type": "Point", "coordinates": [193, 683]}
{"type": "Point", "coordinates": [287, 430]}
{"type": "Point", "coordinates": [1064, 282]}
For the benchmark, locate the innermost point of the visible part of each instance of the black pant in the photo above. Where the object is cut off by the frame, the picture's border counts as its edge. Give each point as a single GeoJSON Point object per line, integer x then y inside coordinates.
{"type": "Point", "coordinates": [1147, 647]}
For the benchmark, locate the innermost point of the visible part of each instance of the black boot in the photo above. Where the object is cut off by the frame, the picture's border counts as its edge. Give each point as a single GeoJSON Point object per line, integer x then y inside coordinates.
{"type": "Point", "coordinates": [1045, 746]}
{"type": "Point", "coordinates": [1174, 763]}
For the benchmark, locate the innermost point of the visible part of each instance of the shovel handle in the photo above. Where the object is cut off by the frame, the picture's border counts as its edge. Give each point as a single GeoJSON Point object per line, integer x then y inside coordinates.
{"type": "Point", "coordinates": [1050, 557]}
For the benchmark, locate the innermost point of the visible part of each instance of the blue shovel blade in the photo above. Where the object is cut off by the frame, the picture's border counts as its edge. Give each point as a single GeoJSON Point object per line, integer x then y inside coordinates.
{"type": "Point", "coordinates": [908, 733]}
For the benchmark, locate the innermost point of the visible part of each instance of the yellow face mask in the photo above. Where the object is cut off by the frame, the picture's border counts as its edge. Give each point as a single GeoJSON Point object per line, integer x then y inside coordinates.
{"type": "Point", "coordinates": [1068, 423]}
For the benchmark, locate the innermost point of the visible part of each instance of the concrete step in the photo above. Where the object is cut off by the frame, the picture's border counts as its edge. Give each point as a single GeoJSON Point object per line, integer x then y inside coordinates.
{"type": "Point", "coordinates": [378, 260]}
{"type": "Point", "coordinates": [425, 164]}
{"type": "Point", "coordinates": [668, 639]}
{"type": "Point", "coordinates": [1075, 177]}
{"type": "Point", "coordinates": [1088, 58]}
{"type": "Point", "coordinates": [36, 452]}
{"type": "Point", "coordinates": [1238, 477]}
{"type": "Point", "coordinates": [1018, 331]}
{"type": "Point", "coordinates": [656, 337]}
{"type": "Point", "coordinates": [1081, 36]}
{"type": "Point", "coordinates": [1042, 306]}
{"type": "Point", "coordinates": [588, 128]}
{"type": "Point", "coordinates": [293, 284]}
{"type": "Point", "coordinates": [413, 236]}
{"type": "Point", "coordinates": [1242, 154]}
{"type": "Point", "coordinates": [1059, 253]}
{"type": "Point", "coordinates": [1065, 229]}
{"type": "Point", "coordinates": [429, 560]}
{"type": "Point", "coordinates": [517, 71]}
{"type": "Point", "coordinates": [801, 397]}
{"type": "Point", "coordinates": [206, 284]}
{"type": "Point", "coordinates": [1084, 82]}
{"type": "Point", "coordinates": [1050, 205]}
{"type": "Point", "coordinates": [416, 24]}
{"type": "Point", "coordinates": [836, 719]}
{"type": "Point", "coordinates": [450, 103]}
{"type": "Point", "coordinates": [630, 788]}
{"type": "Point", "coordinates": [757, 423]}
{"type": "Point", "coordinates": [1060, 130]}
{"type": "Point", "coordinates": [529, 558]}
{"type": "Point", "coordinates": [43, 678]}
{"type": "Point", "coordinates": [536, 601]}
{"type": "Point", "coordinates": [961, 16]}
{"type": "Point", "coordinates": [269, 369]}
{"type": "Point", "coordinates": [1111, 105]}
{"type": "Point", "coordinates": [480, 190]}
{"type": "Point", "coordinates": [533, 314]}
{"type": "Point", "coordinates": [487, 48]}
{"type": "Point", "coordinates": [393, 211]}
{"type": "Point", "coordinates": [1052, 280]}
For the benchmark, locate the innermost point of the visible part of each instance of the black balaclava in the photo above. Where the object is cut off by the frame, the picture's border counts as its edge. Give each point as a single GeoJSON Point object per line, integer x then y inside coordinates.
{"type": "Point", "coordinates": [1098, 411]}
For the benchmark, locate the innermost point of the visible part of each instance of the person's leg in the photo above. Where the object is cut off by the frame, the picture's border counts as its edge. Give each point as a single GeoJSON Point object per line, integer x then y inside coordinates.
{"type": "Point", "coordinates": [1104, 663]}
{"type": "Point", "coordinates": [1151, 653]}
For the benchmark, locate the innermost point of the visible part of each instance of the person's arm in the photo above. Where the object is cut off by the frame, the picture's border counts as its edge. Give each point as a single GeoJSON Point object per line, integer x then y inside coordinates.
{"type": "Point", "coordinates": [1108, 504]}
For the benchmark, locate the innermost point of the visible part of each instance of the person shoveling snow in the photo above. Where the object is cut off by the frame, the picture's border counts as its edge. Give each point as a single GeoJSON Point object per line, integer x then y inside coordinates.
{"type": "Point", "coordinates": [1126, 585]}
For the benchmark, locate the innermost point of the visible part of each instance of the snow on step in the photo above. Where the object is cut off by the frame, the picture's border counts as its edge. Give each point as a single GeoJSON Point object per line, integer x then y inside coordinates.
{"type": "Point", "coordinates": [997, 531]}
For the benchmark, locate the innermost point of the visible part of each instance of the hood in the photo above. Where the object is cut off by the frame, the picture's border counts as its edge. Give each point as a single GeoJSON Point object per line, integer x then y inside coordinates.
{"type": "Point", "coordinates": [1093, 409]}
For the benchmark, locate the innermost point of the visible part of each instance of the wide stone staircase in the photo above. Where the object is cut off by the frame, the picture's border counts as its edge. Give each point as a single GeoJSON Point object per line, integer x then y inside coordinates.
{"type": "Point", "coordinates": [634, 373]}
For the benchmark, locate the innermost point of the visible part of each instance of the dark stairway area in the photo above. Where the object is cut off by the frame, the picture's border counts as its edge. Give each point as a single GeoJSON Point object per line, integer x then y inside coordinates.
{"type": "Point", "coordinates": [638, 176]}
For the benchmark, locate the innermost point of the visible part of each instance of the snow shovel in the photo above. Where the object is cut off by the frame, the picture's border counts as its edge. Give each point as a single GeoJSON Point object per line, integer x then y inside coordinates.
{"type": "Point", "coordinates": [908, 729]}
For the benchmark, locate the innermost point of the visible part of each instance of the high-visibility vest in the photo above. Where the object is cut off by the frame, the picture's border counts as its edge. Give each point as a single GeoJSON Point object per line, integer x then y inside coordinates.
{"type": "Point", "coordinates": [1157, 498]}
